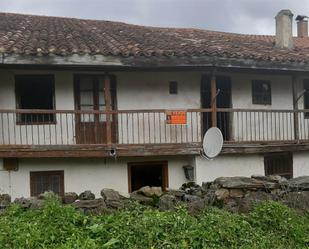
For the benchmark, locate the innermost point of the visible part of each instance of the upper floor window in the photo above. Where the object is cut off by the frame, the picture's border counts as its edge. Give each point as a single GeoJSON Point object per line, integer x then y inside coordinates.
{"type": "Point", "coordinates": [261, 92]}
{"type": "Point", "coordinates": [173, 87]}
{"type": "Point", "coordinates": [35, 92]}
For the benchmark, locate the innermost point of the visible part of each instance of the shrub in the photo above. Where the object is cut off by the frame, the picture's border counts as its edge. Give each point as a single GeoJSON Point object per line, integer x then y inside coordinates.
{"type": "Point", "coordinates": [270, 225]}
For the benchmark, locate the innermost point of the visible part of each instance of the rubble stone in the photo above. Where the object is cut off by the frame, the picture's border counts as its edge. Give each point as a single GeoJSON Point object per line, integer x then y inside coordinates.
{"type": "Point", "coordinates": [141, 198]}
{"type": "Point", "coordinates": [299, 183]}
{"type": "Point", "coordinates": [222, 193]}
{"type": "Point", "coordinates": [5, 200]}
{"type": "Point", "coordinates": [150, 191]}
{"type": "Point", "coordinates": [86, 195]}
{"type": "Point", "coordinates": [236, 193]}
{"type": "Point", "coordinates": [167, 202]}
{"type": "Point", "coordinates": [70, 197]}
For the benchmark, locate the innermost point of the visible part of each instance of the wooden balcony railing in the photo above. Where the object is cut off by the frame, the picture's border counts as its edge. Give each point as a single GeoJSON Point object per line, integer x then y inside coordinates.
{"type": "Point", "coordinates": [142, 127]}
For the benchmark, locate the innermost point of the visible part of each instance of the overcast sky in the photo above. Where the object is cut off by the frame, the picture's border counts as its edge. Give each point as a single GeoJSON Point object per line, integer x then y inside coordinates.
{"type": "Point", "coordinates": [241, 16]}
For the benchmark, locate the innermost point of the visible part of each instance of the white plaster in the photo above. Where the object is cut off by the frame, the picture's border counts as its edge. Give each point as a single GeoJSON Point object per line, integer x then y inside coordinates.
{"type": "Point", "coordinates": [300, 164]}
{"type": "Point", "coordinates": [228, 165]}
{"type": "Point", "coordinates": [86, 174]}
{"type": "Point", "coordinates": [4, 180]}
{"type": "Point", "coordinates": [151, 91]}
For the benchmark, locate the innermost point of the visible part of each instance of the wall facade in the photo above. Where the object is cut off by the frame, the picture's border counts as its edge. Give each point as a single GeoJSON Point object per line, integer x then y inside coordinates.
{"type": "Point", "coordinates": [150, 90]}
{"type": "Point", "coordinates": [228, 165]}
{"type": "Point", "coordinates": [85, 174]}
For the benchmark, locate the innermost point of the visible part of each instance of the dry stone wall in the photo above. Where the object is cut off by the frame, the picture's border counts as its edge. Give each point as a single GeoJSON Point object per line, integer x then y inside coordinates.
{"type": "Point", "coordinates": [236, 194]}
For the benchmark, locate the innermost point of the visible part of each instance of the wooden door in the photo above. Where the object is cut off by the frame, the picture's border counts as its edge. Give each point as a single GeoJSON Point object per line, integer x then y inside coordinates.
{"type": "Point", "coordinates": [90, 95]}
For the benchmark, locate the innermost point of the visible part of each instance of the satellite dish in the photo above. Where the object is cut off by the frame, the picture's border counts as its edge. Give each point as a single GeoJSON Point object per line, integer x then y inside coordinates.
{"type": "Point", "coordinates": [212, 143]}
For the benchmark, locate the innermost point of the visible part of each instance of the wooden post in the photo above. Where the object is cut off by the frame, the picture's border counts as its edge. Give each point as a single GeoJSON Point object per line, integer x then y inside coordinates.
{"type": "Point", "coordinates": [295, 108]}
{"type": "Point", "coordinates": [213, 86]}
{"type": "Point", "coordinates": [108, 108]}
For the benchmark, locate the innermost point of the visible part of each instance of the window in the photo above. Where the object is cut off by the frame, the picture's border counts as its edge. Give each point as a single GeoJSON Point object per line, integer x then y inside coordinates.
{"type": "Point", "coordinates": [279, 164]}
{"type": "Point", "coordinates": [34, 92]}
{"type": "Point", "coordinates": [261, 92]}
{"type": "Point", "coordinates": [306, 97]}
{"type": "Point", "coordinates": [42, 181]}
{"type": "Point", "coordinates": [173, 87]}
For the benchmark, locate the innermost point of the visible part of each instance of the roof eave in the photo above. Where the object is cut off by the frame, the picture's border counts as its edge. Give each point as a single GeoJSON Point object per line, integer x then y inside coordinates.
{"type": "Point", "coordinates": [150, 62]}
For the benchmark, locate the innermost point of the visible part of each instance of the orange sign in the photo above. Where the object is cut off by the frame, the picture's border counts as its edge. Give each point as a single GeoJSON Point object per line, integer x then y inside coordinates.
{"type": "Point", "coordinates": [176, 117]}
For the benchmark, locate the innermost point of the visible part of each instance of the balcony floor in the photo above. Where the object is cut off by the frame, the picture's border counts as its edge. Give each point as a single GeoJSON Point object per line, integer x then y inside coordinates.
{"type": "Point", "coordinates": [103, 151]}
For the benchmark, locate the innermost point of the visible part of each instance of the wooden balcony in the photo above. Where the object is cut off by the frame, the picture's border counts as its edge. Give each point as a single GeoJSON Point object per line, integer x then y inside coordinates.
{"type": "Point", "coordinates": [68, 133]}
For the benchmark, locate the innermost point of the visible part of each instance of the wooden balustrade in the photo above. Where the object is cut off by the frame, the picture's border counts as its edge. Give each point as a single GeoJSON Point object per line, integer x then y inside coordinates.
{"type": "Point", "coordinates": [146, 127]}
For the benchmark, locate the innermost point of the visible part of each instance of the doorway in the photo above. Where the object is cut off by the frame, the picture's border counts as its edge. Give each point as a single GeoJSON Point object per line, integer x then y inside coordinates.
{"type": "Point", "coordinates": [90, 96]}
{"type": "Point", "coordinates": [223, 101]}
{"type": "Point", "coordinates": [153, 174]}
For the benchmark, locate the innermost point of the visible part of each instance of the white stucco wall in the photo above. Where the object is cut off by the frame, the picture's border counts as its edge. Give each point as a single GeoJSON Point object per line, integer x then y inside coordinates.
{"type": "Point", "coordinates": [136, 91]}
{"type": "Point", "coordinates": [62, 132]}
{"type": "Point", "coordinates": [228, 165]}
{"type": "Point", "coordinates": [301, 163]}
{"type": "Point", "coordinates": [85, 174]}
{"type": "Point", "coordinates": [262, 125]}
{"type": "Point", "coordinates": [4, 179]}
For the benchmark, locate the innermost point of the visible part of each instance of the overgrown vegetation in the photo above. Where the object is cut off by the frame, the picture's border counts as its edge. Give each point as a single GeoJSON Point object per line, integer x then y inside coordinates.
{"type": "Point", "coordinates": [270, 225]}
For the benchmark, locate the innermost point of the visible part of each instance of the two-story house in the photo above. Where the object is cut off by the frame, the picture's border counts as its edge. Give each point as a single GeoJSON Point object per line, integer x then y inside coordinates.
{"type": "Point", "coordinates": [88, 104]}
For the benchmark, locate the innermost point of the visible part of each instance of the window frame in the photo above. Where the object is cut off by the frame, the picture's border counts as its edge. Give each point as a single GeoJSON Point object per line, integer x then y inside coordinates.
{"type": "Point", "coordinates": [18, 79]}
{"type": "Point", "coordinates": [173, 87]}
{"type": "Point", "coordinates": [267, 99]}
{"type": "Point", "coordinates": [283, 157]}
{"type": "Point", "coordinates": [33, 191]}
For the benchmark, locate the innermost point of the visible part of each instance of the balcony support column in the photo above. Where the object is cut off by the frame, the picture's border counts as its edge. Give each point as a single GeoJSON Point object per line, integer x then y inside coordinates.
{"type": "Point", "coordinates": [108, 108]}
{"type": "Point", "coordinates": [213, 86]}
{"type": "Point", "coordinates": [295, 108]}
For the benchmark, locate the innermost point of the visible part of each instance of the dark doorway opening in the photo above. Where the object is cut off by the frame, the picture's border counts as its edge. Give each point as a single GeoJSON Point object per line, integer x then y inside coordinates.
{"type": "Point", "coordinates": [223, 101]}
{"type": "Point", "coordinates": [153, 174]}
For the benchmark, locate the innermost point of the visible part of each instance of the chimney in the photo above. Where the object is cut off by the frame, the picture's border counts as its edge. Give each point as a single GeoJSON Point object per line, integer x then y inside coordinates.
{"type": "Point", "coordinates": [284, 33]}
{"type": "Point", "coordinates": [302, 26]}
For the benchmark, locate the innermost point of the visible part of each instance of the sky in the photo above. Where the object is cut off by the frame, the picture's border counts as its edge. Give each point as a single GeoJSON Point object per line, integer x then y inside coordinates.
{"type": "Point", "coordinates": [238, 16]}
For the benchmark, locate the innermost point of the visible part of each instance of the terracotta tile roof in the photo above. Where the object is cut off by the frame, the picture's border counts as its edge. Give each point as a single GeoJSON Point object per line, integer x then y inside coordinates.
{"type": "Point", "coordinates": [28, 34]}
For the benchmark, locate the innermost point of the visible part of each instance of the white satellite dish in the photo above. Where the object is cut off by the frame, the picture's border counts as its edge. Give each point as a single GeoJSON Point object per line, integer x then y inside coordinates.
{"type": "Point", "coordinates": [212, 143]}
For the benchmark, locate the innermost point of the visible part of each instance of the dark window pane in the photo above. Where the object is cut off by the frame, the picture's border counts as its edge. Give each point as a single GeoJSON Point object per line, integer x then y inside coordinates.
{"type": "Point", "coordinates": [35, 92]}
{"type": "Point", "coordinates": [279, 164]}
{"type": "Point", "coordinates": [173, 87]}
{"type": "Point", "coordinates": [261, 92]}
{"type": "Point", "coordinates": [47, 181]}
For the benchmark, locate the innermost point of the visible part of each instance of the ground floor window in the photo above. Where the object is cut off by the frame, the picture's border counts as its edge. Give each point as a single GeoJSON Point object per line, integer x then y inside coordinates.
{"type": "Point", "coordinates": [41, 181]}
{"type": "Point", "coordinates": [279, 164]}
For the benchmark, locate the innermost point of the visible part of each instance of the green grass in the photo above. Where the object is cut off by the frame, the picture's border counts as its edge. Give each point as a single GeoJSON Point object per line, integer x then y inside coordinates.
{"type": "Point", "coordinates": [270, 225]}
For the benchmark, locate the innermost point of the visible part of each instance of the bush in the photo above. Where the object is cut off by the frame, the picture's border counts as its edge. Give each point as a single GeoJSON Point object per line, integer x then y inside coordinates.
{"type": "Point", "coordinates": [270, 225]}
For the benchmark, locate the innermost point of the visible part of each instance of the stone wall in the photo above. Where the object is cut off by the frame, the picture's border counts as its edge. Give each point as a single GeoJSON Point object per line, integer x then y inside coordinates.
{"type": "Point", "coordinates": [236, 194]}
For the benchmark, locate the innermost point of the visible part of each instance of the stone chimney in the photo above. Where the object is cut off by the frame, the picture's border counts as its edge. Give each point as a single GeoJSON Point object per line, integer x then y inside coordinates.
{"type": "Point", "coordinates": [284, 32]}
{"type": "Point", "coordinates": [302, 26]}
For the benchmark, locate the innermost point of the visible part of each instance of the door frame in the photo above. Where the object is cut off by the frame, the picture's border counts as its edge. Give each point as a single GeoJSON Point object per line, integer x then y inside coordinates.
{"type": "Point", "coordinates": [164, 164]}
{"type": "Point", "coordinates": [111, 96]}
{"type": "Point", "coordinates": [230, 115]}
